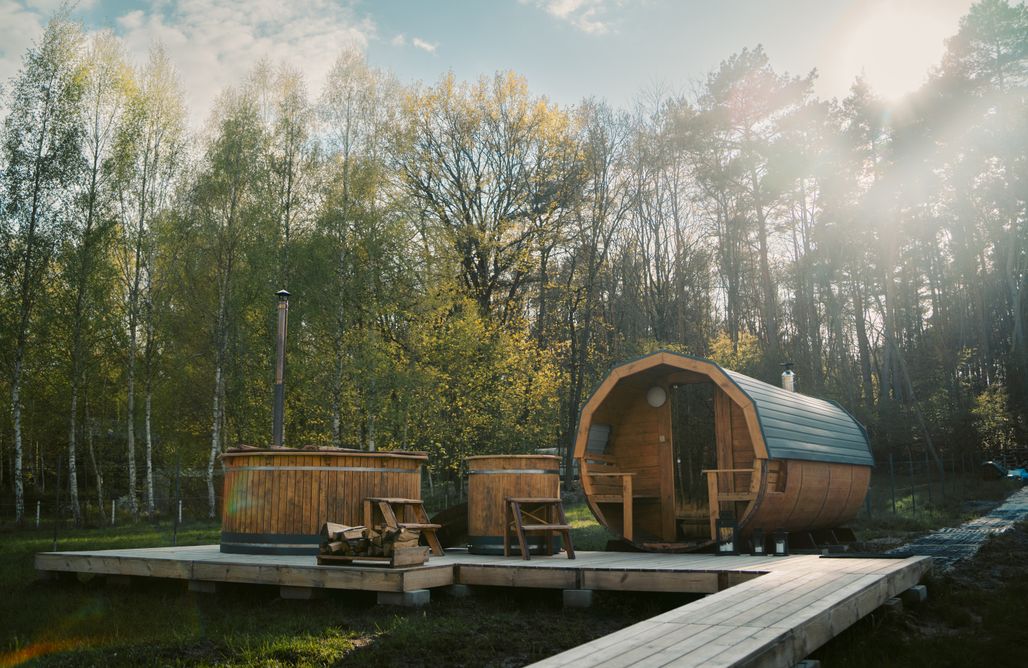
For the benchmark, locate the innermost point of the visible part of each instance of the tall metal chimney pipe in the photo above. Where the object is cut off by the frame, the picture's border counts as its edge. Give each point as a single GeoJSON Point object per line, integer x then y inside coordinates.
{"type": "Point", "coordinates": [279, 407]}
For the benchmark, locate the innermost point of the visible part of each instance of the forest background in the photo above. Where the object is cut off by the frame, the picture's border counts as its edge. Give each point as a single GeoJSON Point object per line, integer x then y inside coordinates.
{"type": "Point", "coordinates": [466, 259]}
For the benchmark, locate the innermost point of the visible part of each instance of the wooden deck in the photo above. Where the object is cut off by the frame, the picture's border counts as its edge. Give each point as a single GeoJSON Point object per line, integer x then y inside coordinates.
{"type": "Point", "coordinates": [759, 611]}
{"type": "Point", "coordinates": [776, 619]}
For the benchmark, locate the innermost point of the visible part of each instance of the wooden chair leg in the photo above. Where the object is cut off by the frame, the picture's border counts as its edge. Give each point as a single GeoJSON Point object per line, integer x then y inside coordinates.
{"type": "Point", "coordinates": [569, 547]}
{"type": "Point", "coordinates": [421, 516]}
{"type": "Point", "coordinates": [550, 535]}
{"type": "Point", "coordinates": [521, 532]}
{"type": "Point", "coordinates": [388, 516]}
{"type": "Point", "coordinates": [506, 527]}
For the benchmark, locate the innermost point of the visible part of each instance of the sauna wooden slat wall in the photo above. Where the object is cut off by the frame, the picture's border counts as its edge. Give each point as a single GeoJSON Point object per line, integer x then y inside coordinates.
{"type": "Point", "coordinates": [276, 501]}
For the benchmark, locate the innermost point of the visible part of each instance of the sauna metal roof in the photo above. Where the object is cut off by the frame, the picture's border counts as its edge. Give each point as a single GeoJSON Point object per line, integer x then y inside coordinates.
{"type": "Point", "coordinates": [794, 425]}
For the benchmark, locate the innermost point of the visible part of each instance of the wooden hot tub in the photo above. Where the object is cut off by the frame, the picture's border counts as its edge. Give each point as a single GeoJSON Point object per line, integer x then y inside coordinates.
{"type": "Point", "coordinates": [493, 478]}
{"type": "Point", "coordinates": [275, 501]}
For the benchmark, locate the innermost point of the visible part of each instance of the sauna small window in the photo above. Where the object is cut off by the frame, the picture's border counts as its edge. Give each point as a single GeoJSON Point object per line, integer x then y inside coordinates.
{"type": "Point", "coordinates": [599, 439]}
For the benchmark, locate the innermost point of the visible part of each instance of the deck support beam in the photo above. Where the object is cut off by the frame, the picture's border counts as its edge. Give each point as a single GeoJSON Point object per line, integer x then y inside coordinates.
{"type": "Point", "coordinates": [416, 598]}
{"type": "Point", "coordinates": [298, 593]}
{"type": "Point", "coordinates": [203, 587]}
{"type": "Point", "coordinates": [578, 598]}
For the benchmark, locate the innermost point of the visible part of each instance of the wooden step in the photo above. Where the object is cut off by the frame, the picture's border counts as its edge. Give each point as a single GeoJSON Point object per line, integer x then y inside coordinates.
{"type": "Point", "coordinates": [415, 525]}
{"type": "Point", "coordinates": [532, 500]}
{"type": "Point", "coordinates": [546, 527]}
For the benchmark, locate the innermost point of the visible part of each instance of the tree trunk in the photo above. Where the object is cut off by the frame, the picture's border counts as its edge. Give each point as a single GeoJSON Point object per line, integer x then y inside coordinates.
{"type": "Point", "coordinates": [863, 345]}
{"type": "Point", "coordinates": [73, 484]}
{"type": "Point", "coordinates": [19, 489]}
{"type": "Point", "coordinates": [217, 418]}
{"type": "Point", "coordinates": [97, 472]}
{"type": "Point", "coordinates": [148, 371]}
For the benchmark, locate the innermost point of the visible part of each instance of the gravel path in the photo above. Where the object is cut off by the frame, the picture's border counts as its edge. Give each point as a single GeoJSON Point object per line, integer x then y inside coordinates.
{"type": "Point", "coordinates": [948, 546]}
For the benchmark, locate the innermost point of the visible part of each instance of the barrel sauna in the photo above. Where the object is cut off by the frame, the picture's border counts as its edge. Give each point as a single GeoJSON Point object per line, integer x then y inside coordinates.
{"type": "Point", "coordinates": [494, 478]}
{"type": "Point", "coordinates": [668, 444]}
{"type": "Point", "coordinates": [275, 501]}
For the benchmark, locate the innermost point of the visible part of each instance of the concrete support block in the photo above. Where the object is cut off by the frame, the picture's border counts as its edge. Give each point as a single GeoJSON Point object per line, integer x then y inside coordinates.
{"type": "Point", "coordinates": [893, 605]}
{"type": "Point", "coordinates": [203, 586]}
{"type": "Point", "coordinates": [458, 591]}
{"type": "Point", "coordinates": [578, 598]}
{"type": "Point", "coordinates": [915, 595]}
{"type": "Point", "coordinates": [119, 580]}
{"type": "Point", "coordinates": [409, 599]}
{"type": "Point", "coordinates": [298, 593]}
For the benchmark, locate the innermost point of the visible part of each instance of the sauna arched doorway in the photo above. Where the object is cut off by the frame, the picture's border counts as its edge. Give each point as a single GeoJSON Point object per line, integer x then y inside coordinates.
{"type": "Point", "coordinates": [693, 450]}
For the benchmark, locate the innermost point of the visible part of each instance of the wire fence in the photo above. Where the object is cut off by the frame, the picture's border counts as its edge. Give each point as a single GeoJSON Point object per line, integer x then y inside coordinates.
{"type": "Point", "coordinates": [913, 486]}
{"type": "Point", "coordinates": [907, 485]}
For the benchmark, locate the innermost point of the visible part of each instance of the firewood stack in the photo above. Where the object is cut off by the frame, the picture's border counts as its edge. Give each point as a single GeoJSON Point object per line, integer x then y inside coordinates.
{"type": "Point", "coordinates": [339, 540]}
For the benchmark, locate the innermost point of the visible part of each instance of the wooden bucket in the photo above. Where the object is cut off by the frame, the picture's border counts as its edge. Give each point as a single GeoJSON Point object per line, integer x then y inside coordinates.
{"type": "Point", "coordinates": [275, 501]}
{"type": "Point", "coordinates": [493, 478]}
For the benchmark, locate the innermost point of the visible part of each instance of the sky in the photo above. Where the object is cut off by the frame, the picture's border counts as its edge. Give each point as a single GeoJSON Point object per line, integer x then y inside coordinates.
{"type": "Point", "coordinates": [568, 49]}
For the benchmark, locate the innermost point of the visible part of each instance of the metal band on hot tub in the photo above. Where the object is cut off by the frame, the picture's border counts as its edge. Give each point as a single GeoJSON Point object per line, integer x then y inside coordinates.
{"type": "Point", "coordinates": [361, 469]}
{"type": "Point", "coordinates": [509, 471]}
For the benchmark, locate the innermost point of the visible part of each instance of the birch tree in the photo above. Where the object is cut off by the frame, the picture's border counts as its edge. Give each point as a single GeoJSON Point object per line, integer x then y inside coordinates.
{"type": "Point", "coordinates": [42, 160]}
{"type": "Point", "coordinates": [150, 147]}
{"type": "Point", "coordinates": [105, 87]}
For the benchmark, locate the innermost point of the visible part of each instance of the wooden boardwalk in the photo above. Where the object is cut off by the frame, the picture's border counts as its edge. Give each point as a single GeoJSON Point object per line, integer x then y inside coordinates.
{"type": "Point", "coordinates": [776, 619]}
{"type": "Point", "coordinates": [760, 610]}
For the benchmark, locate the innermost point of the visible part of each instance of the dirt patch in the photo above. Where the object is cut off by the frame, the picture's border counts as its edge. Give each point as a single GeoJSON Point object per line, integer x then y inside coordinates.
{"type": "Point", "coordinates": [975, 615]}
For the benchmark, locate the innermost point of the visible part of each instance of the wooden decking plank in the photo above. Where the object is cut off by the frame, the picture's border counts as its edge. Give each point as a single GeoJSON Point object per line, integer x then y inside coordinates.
{"type": "Point", "coordinates": [654, 652]}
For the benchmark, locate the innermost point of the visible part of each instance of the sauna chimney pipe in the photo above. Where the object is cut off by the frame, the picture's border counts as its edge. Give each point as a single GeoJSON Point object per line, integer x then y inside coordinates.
{"type": "Point", "coordinates": [788, 377]}
{"type": "Point", "coordinates": [278, 409]}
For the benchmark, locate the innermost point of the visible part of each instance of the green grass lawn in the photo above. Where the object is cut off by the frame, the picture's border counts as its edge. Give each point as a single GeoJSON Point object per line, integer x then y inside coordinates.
{"type": "Point", "coordinates": [158, 622]}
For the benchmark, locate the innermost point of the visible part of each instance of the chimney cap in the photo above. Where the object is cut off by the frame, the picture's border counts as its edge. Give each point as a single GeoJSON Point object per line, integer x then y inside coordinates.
{"type": "Point", "coordinates": [283, 294]}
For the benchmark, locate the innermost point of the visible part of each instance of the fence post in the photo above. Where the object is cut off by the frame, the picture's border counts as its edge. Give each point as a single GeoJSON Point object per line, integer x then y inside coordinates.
{"type": "Point", "coordinates": [178, 494]}
{"type": "Point", "coordinates": [57, 503]}
{"type": "Point", "coordinates": [913, 486]}
{"type": "Point", "coordinates": [39, 507]}
{"type": "Point", "coordinates": [928, 471]}
{"type": "Point", "coordinates": [114, 506]}
{"type": "Point", "coordinates": [892, 482]}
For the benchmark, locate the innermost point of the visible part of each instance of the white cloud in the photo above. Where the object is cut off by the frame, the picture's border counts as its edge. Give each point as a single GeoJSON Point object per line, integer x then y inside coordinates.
{"type": "Point", "coordinates": [423, 45]}
{"type": "Point", "coordinates": [588, 16]}
{"type": "Point", "coordinates": [20, 26]}
{"type": "Point", "coordinates": [212, 43]}
{"type": "Point", "coordinates": [215, 43]}
{"type": "Point", "coordinates": [399, 40]}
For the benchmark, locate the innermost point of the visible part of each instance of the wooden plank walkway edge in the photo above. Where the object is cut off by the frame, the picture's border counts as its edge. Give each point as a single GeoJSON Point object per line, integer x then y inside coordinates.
{"type": "Point", "coordinates": [775, 620]}
{"type": "Point", "coordinates": [284, 571]}
{"type": "Point", "coordinates": [758, 611]}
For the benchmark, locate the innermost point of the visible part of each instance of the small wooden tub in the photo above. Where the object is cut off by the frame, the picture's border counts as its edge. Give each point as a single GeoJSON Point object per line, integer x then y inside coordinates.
{"type": "Point", "coordinates": [275, 501]}
{"type": "Point", "coordinates": [493, 478]}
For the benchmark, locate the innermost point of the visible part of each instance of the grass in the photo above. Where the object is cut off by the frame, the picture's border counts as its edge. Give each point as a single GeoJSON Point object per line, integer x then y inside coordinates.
{"type": "Point", "coordinates": [159, 623]}
{"type": "Point", "coordinates": [921, 508]}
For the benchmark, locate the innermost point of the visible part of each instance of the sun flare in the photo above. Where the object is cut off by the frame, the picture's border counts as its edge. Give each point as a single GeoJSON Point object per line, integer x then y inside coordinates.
{"type": "Point", "coordinates": [894, 44]}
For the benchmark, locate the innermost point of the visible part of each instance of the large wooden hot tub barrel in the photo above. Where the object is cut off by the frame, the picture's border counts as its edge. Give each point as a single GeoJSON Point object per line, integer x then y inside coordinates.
{"type": "Point", "coordinates": [493, 478]}
{"type": "Point", "coordinates": [275, 501]}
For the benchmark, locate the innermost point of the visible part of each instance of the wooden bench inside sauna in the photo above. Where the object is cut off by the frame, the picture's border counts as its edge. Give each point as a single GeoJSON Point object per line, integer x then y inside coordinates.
{"type": "Point", "coordinates": [669, 443]}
